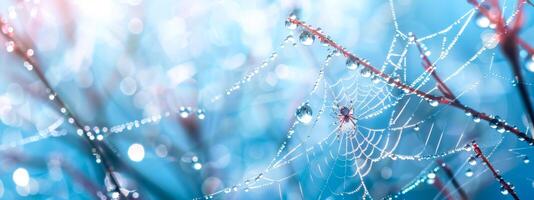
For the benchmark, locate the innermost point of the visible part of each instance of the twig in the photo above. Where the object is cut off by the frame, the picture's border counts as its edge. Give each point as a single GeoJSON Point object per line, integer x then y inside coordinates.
{"type": "Point", "coordinates": [496, 174]}
{"type": "Point", "coordinates": [450, 174]}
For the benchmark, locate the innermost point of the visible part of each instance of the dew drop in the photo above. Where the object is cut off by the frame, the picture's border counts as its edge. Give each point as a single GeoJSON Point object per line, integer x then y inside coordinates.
{"type": "Point", "coordinates": [352, 64]}
{"type": "Point", "coordinates": [306, 38]}
{"type": "Point", "coordinates": [482, 21]}
{"type": "Point", "coordinates": [472, 161]}
{"type": "Point", "coordinates": [469, 173]}
{"type": "Point", "coordinates": [366, 73]}
{"type": "Point", "coordinates": [28, 65]}
{"type": "Point", "coordinates": [197, 166]}
{"type": "Point", "coordinates": [304, 113]}
{"type": "Point", "coordinates": [416, 128]}
{"type": "Point", "coordinates": [375, 79]}
{"type": "Point", "coordinates": [526, 160]}
{"type": "Point", "coordinates": [10, 46]}
{"type": "Point", "coordinates": [433, 103]}
{"type": "Point", "coordinates": [290, 25]}
{"type": "Point", "coordinates": [504, 191]}
{"type": "Point", "coordinates": [184, 111]}
{"type": "Point", "coordinates": [136, 152]}
{"type": "Point", "coordinates": [21, 177]}
{"type": "Point", "coordinates": [529, 64]}
{"type": "Point", "coordinates": [411, 37]}
{"type": "Point", "coordinates": [476, 118]}
{"type": "Point", "coordinates": [431, 175]}
{"type": "Point", "coordinates": [289, 39]}
{"type": "Point", "coordinates": [200, 114]}
{"type": "Point", "coordinates": [29, 52]}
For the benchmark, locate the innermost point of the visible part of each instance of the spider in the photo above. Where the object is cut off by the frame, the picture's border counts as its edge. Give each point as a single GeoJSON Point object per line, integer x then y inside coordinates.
{"type": "Point", "coordinates": [345, 116]}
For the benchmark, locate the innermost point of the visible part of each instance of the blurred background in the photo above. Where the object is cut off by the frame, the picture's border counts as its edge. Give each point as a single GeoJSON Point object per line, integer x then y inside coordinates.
{"type": "Point", "coordinates": [148, 81]}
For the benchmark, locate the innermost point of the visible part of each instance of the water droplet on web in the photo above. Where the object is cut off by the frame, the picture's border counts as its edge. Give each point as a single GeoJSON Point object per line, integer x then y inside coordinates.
{"type": "Point", "coordinates": [472, 161]}
{"type": "Point", "coordinates": [227, 190]}
{"type": "Point", "coordinates": [416, 128]}
{"type": "Point", "coordinates": [526, 160]}
{"type": "Point", "coordinates": [306, 38]}
{"type": "Point", "coordinates": [352, 64]}
{"type": "Point", "coordinates": [469, 173]}
{"type": "Point", "coordinates": [304, 113]}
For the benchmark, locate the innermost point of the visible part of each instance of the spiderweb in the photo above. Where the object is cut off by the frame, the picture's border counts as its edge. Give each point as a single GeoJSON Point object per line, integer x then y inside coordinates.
{"type": "Point", "coordinates": [337, 163]}
{"type": "Point", "coordinates": [330, 155]}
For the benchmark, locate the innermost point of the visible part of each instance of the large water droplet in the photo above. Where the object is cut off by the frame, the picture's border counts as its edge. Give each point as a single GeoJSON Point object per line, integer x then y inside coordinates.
{"type": "Point", "coordinates": [306, 38]}
{"type": "Point", "coordinates": [526, 160]}
{"type": "Point", "coordinates": [304, 113]}
{"type": "Point", "coordinates": [352, 64]}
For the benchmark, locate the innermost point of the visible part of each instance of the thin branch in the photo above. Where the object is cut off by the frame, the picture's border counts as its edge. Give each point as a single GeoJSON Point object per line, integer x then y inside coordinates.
{"type": "Point", "coordinates": [496, 174]}
{"type": "Point", "coordinates": [450, 174]}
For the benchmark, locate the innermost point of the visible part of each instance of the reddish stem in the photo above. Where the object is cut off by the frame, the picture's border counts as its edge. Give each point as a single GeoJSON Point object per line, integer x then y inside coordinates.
{"type": "Point", "coordinates": [501, 180]}
{"type": "Point", "coordinates": [429, 67]}
{"type": "Point", "coordinates": [442, 188]}
{"type": "Point", "coordinates": [450, 174]}
{"type": "Point", "coordinates": [399, 84]}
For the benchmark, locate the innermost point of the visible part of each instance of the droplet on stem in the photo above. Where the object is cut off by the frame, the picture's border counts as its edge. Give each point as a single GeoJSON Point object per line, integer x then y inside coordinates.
{"type": "Point", "coordinates": [306, 38]}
